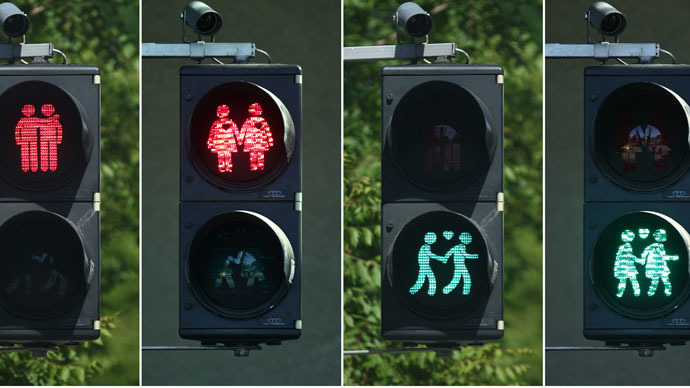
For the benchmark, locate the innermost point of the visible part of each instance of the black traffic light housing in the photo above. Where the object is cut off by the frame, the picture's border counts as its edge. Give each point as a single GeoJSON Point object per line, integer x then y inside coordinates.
{"type": "Point", "coordinates": [637, 156]}
{"type": "Point", "coordinates": [250, 291]}
{"type": "Point", "coordinates": [50, 194]}
{"type": "Point", "coordinates": [442, 184]}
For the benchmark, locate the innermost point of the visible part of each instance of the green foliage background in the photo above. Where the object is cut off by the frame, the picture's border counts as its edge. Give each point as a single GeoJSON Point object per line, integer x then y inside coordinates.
{"type": "Point", "coordinates": [106, 34]}
{"type": "Point", "coordinates": [502, 32]}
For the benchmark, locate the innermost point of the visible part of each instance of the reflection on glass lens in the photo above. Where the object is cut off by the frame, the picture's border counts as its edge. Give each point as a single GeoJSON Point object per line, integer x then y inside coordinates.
{"type": "Point", "coordinates": [238, 261]}
{"type": "Point", "coordinates": [641, 132]}
{"type": "Point", "coordinates": [440, 136]}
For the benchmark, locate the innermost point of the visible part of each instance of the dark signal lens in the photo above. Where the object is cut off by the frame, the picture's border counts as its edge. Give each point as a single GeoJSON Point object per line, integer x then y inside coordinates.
{"type": "Point", "coordinates": [641, 136]}
{"type": "Point", "coordinates": [440, 136]}
{"type": "Point", "coordinates": [44, 267]}
{"type": "Point", "coordinates": [240, 264]}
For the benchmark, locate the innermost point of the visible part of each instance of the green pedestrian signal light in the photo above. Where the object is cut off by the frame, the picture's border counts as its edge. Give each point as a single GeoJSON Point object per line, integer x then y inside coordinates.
{"type": "Point", "coordinates": [640, 264]}
{"type": "Point", "coordinates": [442, 264]}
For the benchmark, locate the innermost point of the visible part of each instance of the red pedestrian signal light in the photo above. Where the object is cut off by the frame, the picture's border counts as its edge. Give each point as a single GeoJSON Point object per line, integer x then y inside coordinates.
{"type": "Point", "coordinates": [254, 136]}
{"type": "Point", "coordinates": [34, 133]}
{"type": "Point", "coordinates": [45, 141]}
{"type": "Point", "coordinates": [242, 136]}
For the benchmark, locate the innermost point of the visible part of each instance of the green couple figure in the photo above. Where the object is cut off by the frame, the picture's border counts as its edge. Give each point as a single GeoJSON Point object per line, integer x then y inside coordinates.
{"type": "Point", "coordinates": [459, 253]}
{"type": "Point", "coordinates": [654, 259]}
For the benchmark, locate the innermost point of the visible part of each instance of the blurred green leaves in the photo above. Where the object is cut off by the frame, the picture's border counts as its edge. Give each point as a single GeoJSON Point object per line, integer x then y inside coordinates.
{"type": "Point", "coordinates": [502, 32]}
{"type": "Point", "coordinates": [67, 366]}
{"type": "Point", "coordinates": [105, 34]}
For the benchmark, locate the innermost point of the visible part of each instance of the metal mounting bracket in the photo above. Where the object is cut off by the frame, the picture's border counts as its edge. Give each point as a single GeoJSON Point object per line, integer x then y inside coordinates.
{"type": "Point", "coordinates": [15, 52]}
{"type": "Point", "coordinates": [644, 52]}
{"type": "Point", "coordinates": [399, 51]}
{"type": "Point", "coordinates": [242, 52]}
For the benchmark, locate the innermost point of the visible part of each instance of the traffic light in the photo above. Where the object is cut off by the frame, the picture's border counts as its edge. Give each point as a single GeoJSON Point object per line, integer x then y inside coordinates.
{"type": "Point", "coordinates": [49, 204]}
{"type": "Point", "coordinates": [637, 204]}
{"type": "Point", "coordinates": [240, 210]}
{"type": "Point", "coordinates": [442, 203]}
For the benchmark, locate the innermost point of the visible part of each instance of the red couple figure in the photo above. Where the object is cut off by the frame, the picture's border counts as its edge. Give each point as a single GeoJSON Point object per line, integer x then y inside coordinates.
{"type": "Point", "coordinates": [31, 132]}
{"type": "Point", "coordinates": [221, 140]}
{"type": "Point", "coordinates": [255, 137]}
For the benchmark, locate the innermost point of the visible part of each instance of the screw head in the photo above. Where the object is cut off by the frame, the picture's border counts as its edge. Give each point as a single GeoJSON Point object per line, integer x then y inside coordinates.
{"type": "Point", "coordinates": [389, 227]}
{"type": "Point", "coordinates": [593, 179]}
{"type": "Point", "coordinates": [593, 97]}
{"type": "Point", "coordinates": [389, 99]}
{"type": "Point", "coordinates": [188, 178]}
{"type": "Point", "coordinates": [188, 97]}
{"type": "Point", "coordinates": [188, 225]}
{"type": "Point", "coordinates": [188, 306]}
{"type": "Point", "coordinates": [242, 352]}
{"type": "Point", "coordinates": [592, 306]}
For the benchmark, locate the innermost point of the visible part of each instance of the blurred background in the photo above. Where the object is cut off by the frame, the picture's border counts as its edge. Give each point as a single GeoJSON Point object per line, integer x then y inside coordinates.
{"type": "Point", "coordinates": [302, 33]}
{"type": "Point", "coordinates": [105, 34]}
{"type": "Point", "coordinates": [505, 33]}
{"type": "Point", "coordinates": [663, 22]}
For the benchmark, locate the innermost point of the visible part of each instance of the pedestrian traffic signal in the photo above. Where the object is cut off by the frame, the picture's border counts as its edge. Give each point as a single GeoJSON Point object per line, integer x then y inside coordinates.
{"type": "Point", "coordinates": [637, 190]}
{"type": "Point", "coordinates": [50, 194]}
{"type": "Point", "coordinates": [445, 292]}
{"type": "Point", "coordinates": [442, 203]}
{"type": "Point", "coordinates": [240, 210]}
{"type": "Point", "coordinates": [246, 154]}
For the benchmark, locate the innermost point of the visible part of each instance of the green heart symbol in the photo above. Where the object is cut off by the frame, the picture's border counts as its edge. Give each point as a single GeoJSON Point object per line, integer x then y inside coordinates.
{"type": "Point", "coordinates": [448, 234]}
{"type": "Point", "coordinates": [643, 233]}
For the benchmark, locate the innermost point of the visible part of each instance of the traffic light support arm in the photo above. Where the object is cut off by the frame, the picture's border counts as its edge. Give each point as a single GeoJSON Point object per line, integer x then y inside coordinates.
{"type": "Point", "coordinates": [15, 52]}
{"type": "Point", "coordinates": [644, 52]}
{"type": "Point", "coordinates": [240, 351]}
{"type": "Point", "coordinates": [443, 352]}
{"type": "Point", "coordinates": [399, 51]}
{"type": "Point", "coordinates": [242, 52]}
{"type": "Point", "coordinates": [643, 351]}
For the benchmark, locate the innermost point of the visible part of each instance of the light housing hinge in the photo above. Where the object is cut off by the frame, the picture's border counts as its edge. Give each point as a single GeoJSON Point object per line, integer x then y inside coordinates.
{"type": "Point", "coordinates": [298, 201]}
{"type": "Point", "coordinates": [96, 202]}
